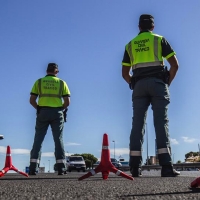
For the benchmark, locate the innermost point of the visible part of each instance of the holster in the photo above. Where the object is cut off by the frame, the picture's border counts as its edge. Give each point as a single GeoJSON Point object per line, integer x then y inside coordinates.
{"type": "Point", "coordinates": [38, 109]}
{"type": "Point", "coordinates": [166, 75]}
{"type": "Point", "coordinates": [65, 114]}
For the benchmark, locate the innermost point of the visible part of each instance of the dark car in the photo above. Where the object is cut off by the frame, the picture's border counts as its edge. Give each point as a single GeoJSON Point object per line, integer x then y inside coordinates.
{"type": "Point", "coordinates": [116, 163]}
{"type": "Point", "coordinates": [125, 165]}
{"type": "Point", "coordinates": [1, 137]}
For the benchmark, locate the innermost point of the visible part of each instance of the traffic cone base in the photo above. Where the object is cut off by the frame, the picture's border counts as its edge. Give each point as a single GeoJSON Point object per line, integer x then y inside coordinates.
{"type": "Point", "coordinates": [195, 183]}
{"type": "Point", "coordinates": [8, 165]}
{"type": "Point", "coordinates": [105, 166]}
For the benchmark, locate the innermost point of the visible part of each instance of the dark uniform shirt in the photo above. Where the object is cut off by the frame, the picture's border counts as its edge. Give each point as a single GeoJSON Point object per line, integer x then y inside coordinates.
{"type": "Point", "coordinates": [145, 71]}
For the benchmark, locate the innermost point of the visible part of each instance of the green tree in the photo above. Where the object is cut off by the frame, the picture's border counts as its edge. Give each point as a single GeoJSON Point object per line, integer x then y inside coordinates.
{"type": "Point", "coordinates": [178, 162]}
{"type": "Point", "coordinates": [191, 153]}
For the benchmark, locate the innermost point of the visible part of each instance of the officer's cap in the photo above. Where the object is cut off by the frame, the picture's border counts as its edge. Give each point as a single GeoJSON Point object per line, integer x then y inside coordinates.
{"type": "Point", "coordinates": [146, 18]}
{"type": "Point", "coordinates": [51, 67]}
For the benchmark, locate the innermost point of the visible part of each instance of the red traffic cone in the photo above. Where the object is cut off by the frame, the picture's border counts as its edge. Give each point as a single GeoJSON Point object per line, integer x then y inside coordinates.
{"type": "Point", "coordinates": [8, 164]}
{"type": "Point", "coordinates": [195, 183]}
{"type": "Point", "coordinates": [105, 165]}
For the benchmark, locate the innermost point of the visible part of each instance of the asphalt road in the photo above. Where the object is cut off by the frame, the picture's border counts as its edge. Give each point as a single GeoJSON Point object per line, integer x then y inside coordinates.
{"type": "Point", "coordinates": [51, 186]}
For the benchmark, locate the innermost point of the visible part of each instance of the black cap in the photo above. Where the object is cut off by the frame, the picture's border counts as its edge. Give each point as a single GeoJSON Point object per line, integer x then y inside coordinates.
{"type": "Point", "coordinates": [51, 67]}
{"type": "Point", "coordinates": [146, 18]}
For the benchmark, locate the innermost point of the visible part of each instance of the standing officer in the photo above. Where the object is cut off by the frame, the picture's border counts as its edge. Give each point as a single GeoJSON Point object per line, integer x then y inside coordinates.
{"type": "Point", "coordinates": [150, 81]}
{"type": "Point", "coordinates": [50, 111]}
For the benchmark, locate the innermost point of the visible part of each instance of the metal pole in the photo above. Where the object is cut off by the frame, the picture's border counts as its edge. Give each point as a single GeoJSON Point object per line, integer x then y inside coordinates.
{"type": "Point", "coordinates": [173, 158]}
{"type": "Point", "coordinates": [199, 149]}
{"type": "Point", "coordinates": [114, 148]}
{"type": "Point", "coordinates": [147, 145]}
{"type": "Point", "coordinates": [49, 165]}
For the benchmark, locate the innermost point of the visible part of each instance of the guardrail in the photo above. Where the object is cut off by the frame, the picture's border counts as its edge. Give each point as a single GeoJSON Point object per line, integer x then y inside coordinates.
{"type": "Point", "coordinates": [180, 166]}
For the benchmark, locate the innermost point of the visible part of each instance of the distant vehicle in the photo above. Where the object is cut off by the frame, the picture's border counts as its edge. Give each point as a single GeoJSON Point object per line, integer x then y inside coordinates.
{"type": "Point", "coordinates": [75, 163]}
{"type": "Point", "coordinates": [192, 169]}
{"type": "Point", "coordinates": [96, 164]}
{"type": "Point", "coordinates": [116, 163]}
{"type": "Point", "coordinates": [125, 165]}
{"type": "Point", "coordinates": [1, 137]}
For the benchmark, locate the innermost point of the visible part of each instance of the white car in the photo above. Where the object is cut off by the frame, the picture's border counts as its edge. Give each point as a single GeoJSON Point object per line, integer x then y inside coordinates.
{"type": "Point", "coordinates": [75, 163]}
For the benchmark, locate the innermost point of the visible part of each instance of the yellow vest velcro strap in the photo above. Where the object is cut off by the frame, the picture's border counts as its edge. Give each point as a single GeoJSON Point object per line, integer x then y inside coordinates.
{"type": "Point", "coordinates": [92, 172]}
{"type": "Point", "coordinates": [61, 161]}
{"type": "Point", "coordinates": [135, 153]}
{"type": "Point", "coordinates": [148, 64]}
{"type": "Point", "coordinates": [35, 160]}
{"type": "Point", "coordinates": [105, 147]}
{"type": "Point", "coordinates": [163, 150]}
{"type": "Point", "coordinates": [118, 172]}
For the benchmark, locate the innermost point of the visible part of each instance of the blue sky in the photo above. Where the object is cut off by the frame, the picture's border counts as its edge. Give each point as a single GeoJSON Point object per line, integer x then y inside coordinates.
{"type": "Point", "coordinates": [87, 40]}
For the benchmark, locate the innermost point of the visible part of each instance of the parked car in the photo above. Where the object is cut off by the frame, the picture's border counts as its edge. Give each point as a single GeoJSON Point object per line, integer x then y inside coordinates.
{"type": "Point", "coordinates": [192, 169]}
{"type": "Point", "coordinates": [75, 163]}
{"type": "Point", "coordinates": [96, 164]}
{"type": "Point", "coordinates": [125, 165]}
{"type": "Point", "coordinates": [116, 163]}
{"type": "Point", "coordinates": [1, 137]}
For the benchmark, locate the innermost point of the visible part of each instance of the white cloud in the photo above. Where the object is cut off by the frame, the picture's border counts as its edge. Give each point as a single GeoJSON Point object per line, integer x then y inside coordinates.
{"type": "Point", "coordinates": [14, 151]}
{"type": "Point", "coordinates": [188, 140]}
{"type": "Point", "coordinates": [120, 151]}
{"type": "Point", "coordinates": [48, 154]}
{"type": "Point", "coordinates": [72, 144]}
{"type": "Point", "coordinates": [174, 141]}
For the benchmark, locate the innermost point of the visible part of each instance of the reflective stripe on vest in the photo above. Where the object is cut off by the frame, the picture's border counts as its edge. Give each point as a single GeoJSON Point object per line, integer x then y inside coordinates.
{"type": "Point", "coordinates": [59, 95]}
{"type": "Point", "coordinates": [163, 150]}
{"type": "Point", "coordinates": [151, 64]}
{"type": "Point", "coordinates": [135, 153]}
{"type": "Point", "coordinates": [35, 160]}
{"type": "Point", "coordinates": [61, 161]}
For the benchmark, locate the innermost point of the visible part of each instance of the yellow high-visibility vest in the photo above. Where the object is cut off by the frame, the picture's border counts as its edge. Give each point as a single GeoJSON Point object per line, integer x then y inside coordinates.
{"type": "Point", "coordinates": [50, 90]}
{"type": "Point", "coordinates": [145, 50]}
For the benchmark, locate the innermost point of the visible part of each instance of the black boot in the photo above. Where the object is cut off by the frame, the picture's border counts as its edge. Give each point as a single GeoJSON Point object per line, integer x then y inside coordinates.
{"type": "Point", "coordinates": [169, 171]}
{"type": "Point", "coordinates": [32, 173]}
{"type": "Point", "coordinates": [136, 171]}
{"type": "Point", "coordinates": [62, 172]}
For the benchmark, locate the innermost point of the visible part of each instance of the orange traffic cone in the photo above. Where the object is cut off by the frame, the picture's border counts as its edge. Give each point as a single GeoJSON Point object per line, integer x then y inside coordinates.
{"type": "Point", "coordinates": [8, 164]}
{"type": "Point", "coordinates": [105, 165]}
{"type": "Point", "coordinates": [195, 183]}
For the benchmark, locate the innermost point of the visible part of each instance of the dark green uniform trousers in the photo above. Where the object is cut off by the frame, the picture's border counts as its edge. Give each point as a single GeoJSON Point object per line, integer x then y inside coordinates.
{"type": "Point", "coordinates": [155, 92]}
{"type": "Point", "coordinates": [53, 117]}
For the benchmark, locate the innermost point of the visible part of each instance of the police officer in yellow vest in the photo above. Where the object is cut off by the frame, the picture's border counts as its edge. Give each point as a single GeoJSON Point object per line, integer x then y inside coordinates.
{"type": "Point", "coordinates": [51, 90]}
{"type": "Point", "coordinates": [150, 81]}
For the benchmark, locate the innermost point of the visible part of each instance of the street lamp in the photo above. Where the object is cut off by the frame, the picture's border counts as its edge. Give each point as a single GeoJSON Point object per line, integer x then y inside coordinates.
{"type": "Point", "coordinates": [114, 147]}
{"type": "Point", "coordinates": [173, 158]}
{"type": "Point", "coordinates": [49, 165]}
{"type": "Point", "coordinates": [147, 145]}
